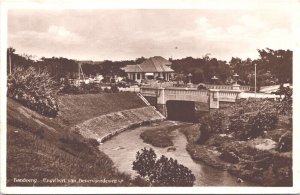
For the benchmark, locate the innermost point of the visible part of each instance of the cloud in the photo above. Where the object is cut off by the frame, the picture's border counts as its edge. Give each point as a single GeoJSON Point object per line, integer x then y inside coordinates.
{"type": "Point", "coordinates": [128, 34]}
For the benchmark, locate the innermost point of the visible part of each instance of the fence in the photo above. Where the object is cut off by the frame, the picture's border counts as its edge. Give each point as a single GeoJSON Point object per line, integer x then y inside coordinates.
{"type": "Point", "coordinates": [130, 89]}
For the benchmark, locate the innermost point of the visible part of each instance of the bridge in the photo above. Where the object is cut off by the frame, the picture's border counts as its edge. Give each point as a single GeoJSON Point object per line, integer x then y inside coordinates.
{"type": "Point", "coordinates": [212, 97]}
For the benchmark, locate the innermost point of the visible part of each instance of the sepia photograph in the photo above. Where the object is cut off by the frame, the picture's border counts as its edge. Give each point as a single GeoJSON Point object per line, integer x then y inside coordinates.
{"type": "Point", "coordinates": [148, 97]}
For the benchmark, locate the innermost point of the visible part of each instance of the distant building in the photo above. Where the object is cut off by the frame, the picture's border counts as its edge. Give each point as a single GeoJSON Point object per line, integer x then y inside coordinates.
{"type": "Point", "coordinates": [153, 68]}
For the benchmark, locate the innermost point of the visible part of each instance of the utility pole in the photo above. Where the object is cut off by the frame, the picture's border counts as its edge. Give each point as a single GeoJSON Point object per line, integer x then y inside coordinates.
{"type": "Point", "coordinates": [255, 79]}
{"type": "Point", "coordinates": [9, 58]}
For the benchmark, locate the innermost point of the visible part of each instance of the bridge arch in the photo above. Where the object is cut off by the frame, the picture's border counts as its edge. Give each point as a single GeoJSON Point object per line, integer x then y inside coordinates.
{"type": "Point", "coordinates": [180, 110]}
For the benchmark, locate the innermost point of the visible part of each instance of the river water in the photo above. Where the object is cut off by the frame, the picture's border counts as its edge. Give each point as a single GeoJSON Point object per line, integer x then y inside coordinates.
{"type": "Point", "coordinates": [122, 150]}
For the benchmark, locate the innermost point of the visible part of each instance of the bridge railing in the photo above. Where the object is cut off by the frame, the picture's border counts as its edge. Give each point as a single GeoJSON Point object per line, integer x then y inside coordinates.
{"type": "Point", "coordinates": [185, 91]}
{"type": "Point", "coordinates": [149, 91]}
{"type": "Point", "coordinates": [228, 96]}
{"type": "Point", "coordinates": [227, 87]}
{"type": "Point", "coordinates": [259, 95]}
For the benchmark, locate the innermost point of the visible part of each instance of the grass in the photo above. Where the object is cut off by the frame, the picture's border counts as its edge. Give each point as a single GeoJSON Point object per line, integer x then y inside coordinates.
{"type": "Point", "coordinates": [75, 109]}
{"type": "Point", "coordinates": [39, 147]}
{"type": "Point", "coordinates": [159, 137]}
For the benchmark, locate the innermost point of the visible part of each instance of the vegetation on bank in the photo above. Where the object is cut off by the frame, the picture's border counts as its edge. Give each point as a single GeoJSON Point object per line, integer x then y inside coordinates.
{"type": "Point", "coordinates": [44, 148]}
{"type": "Point", "coordinates": [162, 171]}
{"type": "Point", "coordinates": [90, 88]}
{"type": "Point", "coordinates": [38, 147]}
{"type": "Point", "coordinates": [252, 140]}
{"type": "Point", "coordinates": [159, 137]}
{"type": "Point", "coordinates": [33, 89]}
{"type": "Point", "coordinates": [75, 109]}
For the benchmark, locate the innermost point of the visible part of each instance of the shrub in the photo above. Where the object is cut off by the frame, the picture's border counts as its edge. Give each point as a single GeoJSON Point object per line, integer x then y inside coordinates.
{"type": "Point", "coordinates": [35, 90]}
{"type": "Point", "coordinates": [205, 132]}
{"type": "Point", "coordinates": [158, 138]}
{"type": "Point", "coordinates": [248, 126]}
{"type": "Point", "coordinates": [215, 121]}
{"type": "Point", "coordinates": [238, 125]}
{"type": "Point", "coordinates": [230, 157]}
{"type": "Point", "coordinates": [261, 122]}
{"type": "Point", "coordinates": [164, 171]}
{"type": "Point", "coordinates": [91, 88]}
{"type": "Point", "coordinates": [114, 89]}
{"type": "Point", "coordinates": [145, 162]}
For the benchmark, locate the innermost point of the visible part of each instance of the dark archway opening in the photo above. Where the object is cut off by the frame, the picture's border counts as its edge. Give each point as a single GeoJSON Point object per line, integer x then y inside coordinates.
{"type": "Point", "coordinates": [181, 110]}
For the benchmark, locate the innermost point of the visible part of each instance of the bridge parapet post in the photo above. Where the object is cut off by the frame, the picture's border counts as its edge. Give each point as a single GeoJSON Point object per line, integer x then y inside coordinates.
{"type": "Point", "coordinates": [214, 97]}
{"type": "Point", "coordinates": [161, 101]}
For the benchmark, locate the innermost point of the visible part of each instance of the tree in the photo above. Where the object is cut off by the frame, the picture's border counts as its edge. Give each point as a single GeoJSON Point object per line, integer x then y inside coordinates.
{"type": "Point", "coordinates": [162, 172]}
{"type": "Point", "coordinates": [279, 62]}
{"type": "Point", "coordinates": [35, 90]}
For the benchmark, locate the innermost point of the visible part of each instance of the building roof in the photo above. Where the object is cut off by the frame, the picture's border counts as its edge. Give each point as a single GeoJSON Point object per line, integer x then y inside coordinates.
{"type": "Point", "coordinates": [153, 64]}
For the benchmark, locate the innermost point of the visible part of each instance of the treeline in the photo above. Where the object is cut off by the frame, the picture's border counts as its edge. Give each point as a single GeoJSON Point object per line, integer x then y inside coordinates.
{"type": "Point", "coordinates": [67, 68]}
{"type": "Point", "coordinates": [273, 67]}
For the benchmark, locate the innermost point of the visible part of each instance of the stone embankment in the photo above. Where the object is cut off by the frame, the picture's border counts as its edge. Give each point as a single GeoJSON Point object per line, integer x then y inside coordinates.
{"type": "Point", "coordinates": [105, 126]}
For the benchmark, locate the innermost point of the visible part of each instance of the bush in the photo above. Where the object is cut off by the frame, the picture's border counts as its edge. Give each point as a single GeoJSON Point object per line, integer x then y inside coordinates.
{"type": "Point", "coordinates": [145, 162]}
{"type": "Point", "coordinates": [158, 138]}
{"type": "Point", "coordinates": [91, 88]}
{"type": "Point", "coordinates": [35, 90]}
{"type": "Point", "coordinates": [216, 122]}
{"type": "Point", "coordinates": [205, 132]}
{"type": "Point", "coordinates": [162, 172]}
{"type": "Point", "coordinates": [238, 125]}
{"type": "Point", "coordinates": [260, 123]}
{"type": "Point", "coordinates": [114, 89]}
{"type": "Point", "coordinates": [230, 157]}
{"type": "Point", "coordinates": [249, 126]}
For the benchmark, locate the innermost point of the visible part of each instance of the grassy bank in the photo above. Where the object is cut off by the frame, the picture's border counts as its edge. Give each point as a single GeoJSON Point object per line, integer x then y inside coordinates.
{"type": "Point", "coordinates": [160, 137]}
{"type": "Point", "coordinates": [254, 159]}
{"type": "Point", "coordinates": [41, 148]}
{"type": "Point", "coordinates": [75, 109]}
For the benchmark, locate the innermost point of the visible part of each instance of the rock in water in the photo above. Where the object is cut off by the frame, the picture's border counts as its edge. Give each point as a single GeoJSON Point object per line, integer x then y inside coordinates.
{"type": "Point", "coordinates": [171, 149]}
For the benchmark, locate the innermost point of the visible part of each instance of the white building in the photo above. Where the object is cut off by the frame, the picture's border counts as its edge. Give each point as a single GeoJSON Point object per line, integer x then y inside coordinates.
{"type": "Point", "coordinates": [153, 68]}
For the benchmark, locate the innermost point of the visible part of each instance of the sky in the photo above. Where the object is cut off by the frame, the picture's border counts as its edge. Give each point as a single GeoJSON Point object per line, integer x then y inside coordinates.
{"type": "Point", "coordinates": [126, 34]}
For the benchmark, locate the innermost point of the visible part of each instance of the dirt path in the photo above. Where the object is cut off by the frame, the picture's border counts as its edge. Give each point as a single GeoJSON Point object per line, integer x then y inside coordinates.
{"type": "Point", "coordinates": [123, 147]}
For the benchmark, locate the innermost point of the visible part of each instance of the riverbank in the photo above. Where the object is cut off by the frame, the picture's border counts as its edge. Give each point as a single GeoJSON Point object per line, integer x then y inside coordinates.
{"type": "Point", "coordinates": [123, 147]}
{"type": "Point", "coordinates": [257, 159]}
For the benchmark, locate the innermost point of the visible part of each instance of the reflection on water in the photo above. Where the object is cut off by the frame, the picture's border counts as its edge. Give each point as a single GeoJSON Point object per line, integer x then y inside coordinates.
{"type": "Point", "coordinates": [123, 147]}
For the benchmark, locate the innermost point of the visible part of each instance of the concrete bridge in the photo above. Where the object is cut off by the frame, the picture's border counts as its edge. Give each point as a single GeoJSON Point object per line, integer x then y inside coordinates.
{"type": "Point", "coordinates": [212, 97]}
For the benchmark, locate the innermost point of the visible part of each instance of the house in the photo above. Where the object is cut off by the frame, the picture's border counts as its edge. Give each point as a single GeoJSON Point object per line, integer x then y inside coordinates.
{"type": "Point", "coordinates": [153, 68]}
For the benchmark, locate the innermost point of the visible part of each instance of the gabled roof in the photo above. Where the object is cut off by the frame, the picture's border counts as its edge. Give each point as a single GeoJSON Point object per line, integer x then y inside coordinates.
{"type": "Point", "coordinates": [153, 64]}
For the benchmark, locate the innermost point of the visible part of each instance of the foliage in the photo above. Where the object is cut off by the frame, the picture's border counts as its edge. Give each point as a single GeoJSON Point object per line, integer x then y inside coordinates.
{"type": "Point", "coordinates": [205, 132]}
{"type": "Point", "coordinates": [249, 126]}
{"type": "Point", "coordinates": [162, 172]}
{"type": "Point", "coordinates": [145, 162]}
{"type": "Point", "coordinates": [273, 67]}
{"type": "Point", "coordinates": [35, 90]}
{"type": "Point", "coordinates": [215, 121]}
{"type": "Point", "coordinates": [114, 89]}
{"type": "Point", "coordinates": [238, 125]}
{"type": "Point", "coordinates": [91, 88]}
{"type": "Point", "coordinates": [280, 62]}
{"type": "Point", "coordinates": [259, 123]}
{"type": "Point", "coordinates": [157, 137]}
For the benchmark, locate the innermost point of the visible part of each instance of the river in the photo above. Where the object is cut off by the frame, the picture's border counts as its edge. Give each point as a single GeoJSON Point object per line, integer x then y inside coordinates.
{"type": "Point", "coordinates": [122, 149]}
